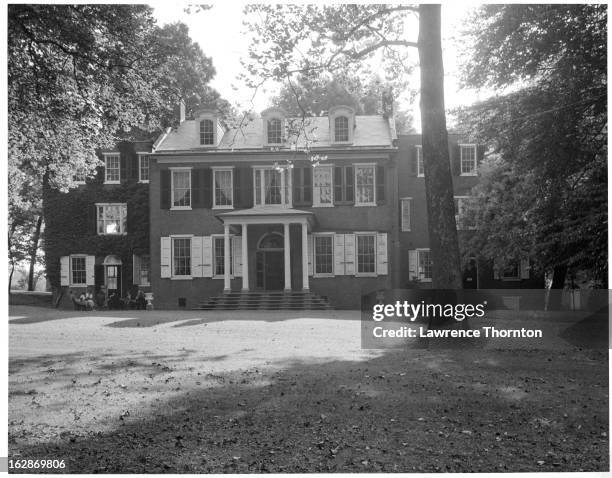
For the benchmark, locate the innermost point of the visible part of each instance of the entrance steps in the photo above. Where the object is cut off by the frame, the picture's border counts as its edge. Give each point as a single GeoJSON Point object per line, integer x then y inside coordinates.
{"type": "Point", "coordinates": [268, 300]}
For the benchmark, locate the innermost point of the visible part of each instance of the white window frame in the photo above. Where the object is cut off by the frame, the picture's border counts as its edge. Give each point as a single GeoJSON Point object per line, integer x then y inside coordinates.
{"type": "Point", "coordinates": [316, 196]}
{"type": "Point", "coordinates": [363, 166]}
{"type": "Point", "coordinates": [77, 256]}
{"type": "Point", "coordinates": [201, 122]}
{"type": "Point", "coordinates": [315, 236]}
{"type": "Point", "coordinates": [282, 127]}
{"type": "Point", "coordinates": [474, 147]}
{"type": "Point", "coordinates": [142, 156]}
{"type": "Point", "coordinates": [172, 206]}
{"type": "Point", "coordinates": [173, 276]}
{"type": "Point", "coordinates": [420, 164]}
{"type": "Point", "coordinates": [403, 202]}
{"type": "Point", "coordinates": [286, 189]}
{"type": "Point", "coordinates": [348, 128]}
{"type": "Point", "coordinates": [419, 251]}
{"type": "Point", "coordinates": [107, 157]}
{"type": "Point", "coordinates": [215, 170]}
{"type": "Point", "coordinates": [215, 237]}
{"type": "Point", "coordinates": [122, 218]}
{"type": "Point", "coordinates": [357, 236]}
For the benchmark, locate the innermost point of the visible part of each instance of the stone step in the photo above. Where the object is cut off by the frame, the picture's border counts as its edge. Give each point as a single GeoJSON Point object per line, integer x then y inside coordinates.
{"type": "Point", "coordinates": [268, 300]}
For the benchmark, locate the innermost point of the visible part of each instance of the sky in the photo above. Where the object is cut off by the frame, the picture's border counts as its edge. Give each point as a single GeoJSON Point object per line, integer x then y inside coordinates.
{"type": "Point", "coordinates": [221, 35]}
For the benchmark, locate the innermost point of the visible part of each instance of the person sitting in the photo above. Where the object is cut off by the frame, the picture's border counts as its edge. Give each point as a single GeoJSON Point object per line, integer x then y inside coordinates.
{"type": "Point", "coordinates": [114, 302]}
{"type": "Point", "coordinates": [79, 303]}
{"type": "Point", "coordinates": [130, 301]}
{"type": "Point", "coordinates": [141, 303]}
{"type": "Point", "coordinates": [101, 299]}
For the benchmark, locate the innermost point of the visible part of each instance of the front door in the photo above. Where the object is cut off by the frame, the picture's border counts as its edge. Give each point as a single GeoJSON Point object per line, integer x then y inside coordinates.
{"type": "Point", "coordinates": [270, 267]}
{"type": "Point", "coordinates": [113, 280]}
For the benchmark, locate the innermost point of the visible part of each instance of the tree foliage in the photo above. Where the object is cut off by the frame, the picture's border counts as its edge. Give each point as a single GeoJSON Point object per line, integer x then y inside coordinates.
{"type": "Point", "coordinates": [546, 191]}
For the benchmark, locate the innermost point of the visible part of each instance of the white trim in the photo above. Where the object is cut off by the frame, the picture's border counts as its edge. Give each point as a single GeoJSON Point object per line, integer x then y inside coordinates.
{"type": "Point", "coordinates": [314, 254]}
{"type": "Point", "coordinates": [419, 147]}
{"type": "Point", "coordinates": [418, 259]}
{"type": "Point", "coordinates": [172, 171]}
{"type": "Point", "coordinates": [140, 157]}
{"type": "Point", "coordinates": [214, 272]}
{"type": "Point", "coordinates": [106, 156]}
{"type": "Point", "coordinates": [316, 198]}
{"type": "Point", "coordinates": [180, 236]}
{"type": "Point", "coordinates": [216, 169]}
{"type": "Point", "coordinates": [356, 166]}
{"type": "Point", "coordinates": [286, 189]}
{"type": "Point", "coordinates": [474, 172]}
{"type": "Point", "coordinates": [364, 234]}
{"type": "Point", "coordinates": [76, 256]}
{"type": "Point", "coordinates": [213, 119]}
{"type": "Point", "coordinates": [409, 228]}
{"type": "Point", "coordinates": [122, 216]}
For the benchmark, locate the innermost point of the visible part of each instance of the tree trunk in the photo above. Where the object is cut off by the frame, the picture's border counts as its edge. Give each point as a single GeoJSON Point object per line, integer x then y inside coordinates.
{"type": "Point", "coordinates": [555, 301]}
{"type": "Point", "coordinates": [444, 242]}
{"type": "Point", "coordinates": [10, 281]}
{"type": "Point", "coordinates": [33, 251]}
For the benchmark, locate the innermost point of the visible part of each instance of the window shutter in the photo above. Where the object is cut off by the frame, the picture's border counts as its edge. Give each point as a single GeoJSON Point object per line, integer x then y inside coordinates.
{"type": "Point", "coordinates": [412, 264]}
{"type": "Point", "coordinates": [92, 219]}
{"type": "Point", "coordinates": [237, 250]}
{"type": "Point", "coordinates": [349, 184]}
{"type": "Point", "coordinates": [480, 151]}
{"type": "Point", "coordinates": [123, 168]}
{"type": "Point", "coordinates": [310, 254]}
{"type": "Point", "coordinates": [133, 167]}
{"type": "Point", "coordinates": [65, 270]}
{"type": "Point", "coordinates": [236, 186]}
{"type": "Point", "coordinates": [164, 197]}
{"type": "Point", "coordinates": [90, 262]}
{"type": "Point", "coordinates": [206, 187]}
{"type": "Point", "coordinates": [338, 180]}
{"type": "Point", "coordinates": [165, 258]}
{"type": "Point", "coordinates": [380, 184]}
{"type": "Point", "coordinates": [455, 154]}
{"type": "Point", "coordinates": [196, 256]}
{"type": "Point", "coordinates": [196, 189]}
{"type": "Point", "coordinates": [207, 266]}
{"type": "Point", "coordinates": [381, 254]}
{"type": "Point", "coordinates": [414, 167]}
{"type": "Point", "coordinates": [349, 254]}
{"type": "Point", "coordinates": [298, 185]}
{"type": "Point", "coordinates": [525, 268]}
{"type": "Point", "coordinates": [135, 269]}
{"type": "Point", "coordinates": [339, 254]}
{"type": "Point", "coordinates": [246, 188]}
{"type": "Point", "coordinates": [307, 172]}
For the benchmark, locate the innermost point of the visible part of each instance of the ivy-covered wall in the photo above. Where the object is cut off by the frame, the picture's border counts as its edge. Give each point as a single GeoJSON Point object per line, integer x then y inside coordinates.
{"type": "Point", "coordinates": [71, 219]}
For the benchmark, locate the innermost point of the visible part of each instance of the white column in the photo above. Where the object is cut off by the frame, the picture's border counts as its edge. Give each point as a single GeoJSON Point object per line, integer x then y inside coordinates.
{"type": "Point", "coordinates": [226, 259]}
{"type": "Point", "coordinates": [305, 285]}
{"type": "Point", "coordinates": [245, 259]}
{"type": "Point", "coordinates": [287, 259]}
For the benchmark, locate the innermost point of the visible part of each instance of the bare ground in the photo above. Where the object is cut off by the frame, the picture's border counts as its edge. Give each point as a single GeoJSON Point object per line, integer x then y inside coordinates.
{"type": "Point", "coordinates": [282, 392]}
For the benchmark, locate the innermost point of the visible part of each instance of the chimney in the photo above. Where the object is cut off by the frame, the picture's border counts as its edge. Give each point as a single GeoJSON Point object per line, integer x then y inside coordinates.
{"type": "Point", "coordinates": [181, 111]}
{"type": "Point", "coordinates": [387, 102]}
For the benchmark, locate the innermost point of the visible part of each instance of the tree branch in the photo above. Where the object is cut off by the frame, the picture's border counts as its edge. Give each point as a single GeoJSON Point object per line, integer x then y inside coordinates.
{"type": "Point", "coordinates": [382, 44]}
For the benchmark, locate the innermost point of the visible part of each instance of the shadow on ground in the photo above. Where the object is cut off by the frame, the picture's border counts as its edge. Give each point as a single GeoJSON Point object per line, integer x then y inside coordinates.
{"type": "Point", "coordinates": [405, 411]}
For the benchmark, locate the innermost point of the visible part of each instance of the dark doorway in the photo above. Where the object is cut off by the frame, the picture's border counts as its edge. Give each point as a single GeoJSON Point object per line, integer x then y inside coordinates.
{"type": "Point", "coordinates": [270, 270]}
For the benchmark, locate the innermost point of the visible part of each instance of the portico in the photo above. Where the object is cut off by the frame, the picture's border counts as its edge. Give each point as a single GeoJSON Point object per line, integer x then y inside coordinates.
{"type": "Point", "coordinates": [267, 215]}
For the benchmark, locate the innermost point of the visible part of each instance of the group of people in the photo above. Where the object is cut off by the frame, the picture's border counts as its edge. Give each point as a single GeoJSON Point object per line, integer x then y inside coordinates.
{"type": "Point", "coordinates": [87, 301]}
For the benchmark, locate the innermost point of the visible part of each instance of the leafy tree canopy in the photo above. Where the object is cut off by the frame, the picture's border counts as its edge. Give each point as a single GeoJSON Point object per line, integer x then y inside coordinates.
{"type": "Point", "coordinates": [549, 130]}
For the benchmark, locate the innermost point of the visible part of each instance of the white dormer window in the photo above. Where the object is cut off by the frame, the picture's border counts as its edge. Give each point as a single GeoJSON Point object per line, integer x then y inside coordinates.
{"type": "Point", "coordinates": [207, 128]}
{"type": "Point", "coordinates": [273, 126]}
{"type": "Point", "coordinates": [207, 132]}
{"type": "Point", "coordinates": [341, 124]}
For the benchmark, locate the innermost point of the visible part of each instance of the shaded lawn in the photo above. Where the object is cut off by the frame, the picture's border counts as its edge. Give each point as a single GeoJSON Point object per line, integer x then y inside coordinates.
{"type": "Point", "coordinates": [402, 411]}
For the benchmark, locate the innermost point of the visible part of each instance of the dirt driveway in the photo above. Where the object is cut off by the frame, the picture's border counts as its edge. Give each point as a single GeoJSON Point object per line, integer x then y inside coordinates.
{"type": "Point", "coordinates": [293, 392]}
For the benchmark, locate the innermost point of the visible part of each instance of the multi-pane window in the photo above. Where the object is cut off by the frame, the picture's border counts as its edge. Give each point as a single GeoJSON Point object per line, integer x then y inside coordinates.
{"type": "Point", "coordinates": [181, 256]}
{"type": "Point", "coordinates": [207, 132]}
{"type": "Point", "coordinates": [302, 185]}
{"type": "Point", "coordinates": [272, 186]}
{"type": "Point", "coordinates": [365, 182]}
{"type": "Point", "coordinates": [511, 271]}
{"type": "Point", "coordinates": [323, 192]}
{"type": "Point", "coordinates": [324, 255]}
{"type": "Point", "coordinates": [419, 158]}
{"type": "Point", "coordinates": [405, 206]}
{"type": "Point", "coordinates": [468, 159]}
{"type": "Point", "coordinates": [223, 181]}
{"type": "Point", "coordinates": [111, 218]}
{"type": "Point", "coordinates": [424, 264]}
{"type": "Point", "coordinates": [143, 168]}
{"type": "Point", "coordinates": [275, 131]}
{"type": "Point", "coordinates": [219, 255]}
{"type": "Point", "coordinates": [341, 129]}
{"type": "Point", "coordinates": [78, 270]}
{"type": "Point", "coordinates": [181, 188]}
{"type": "Point", "coordinates": [112, 169]}
{"type": "Point", "coordinates": [366, 253]}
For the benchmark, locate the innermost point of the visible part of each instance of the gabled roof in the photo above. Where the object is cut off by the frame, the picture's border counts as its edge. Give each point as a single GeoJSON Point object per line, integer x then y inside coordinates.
{"type": "Point", "coordinates": [370, 131]}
